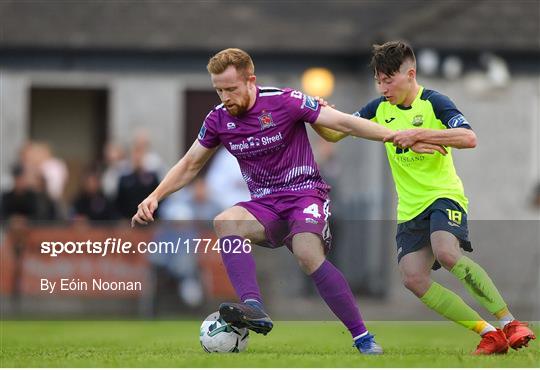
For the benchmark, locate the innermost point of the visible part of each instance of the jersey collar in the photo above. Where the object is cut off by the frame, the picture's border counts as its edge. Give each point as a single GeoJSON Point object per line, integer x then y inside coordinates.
{"type": "Point", "coordinates": [420, 90]}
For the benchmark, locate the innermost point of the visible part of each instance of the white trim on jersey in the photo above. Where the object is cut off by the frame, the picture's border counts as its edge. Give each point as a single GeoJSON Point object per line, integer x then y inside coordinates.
{"type": "Point", "coordinates": [271, 93]}
{"type": "Point", "coordinates": [269, 88]}
{"type": "Point", "coordinates": [326, 230]}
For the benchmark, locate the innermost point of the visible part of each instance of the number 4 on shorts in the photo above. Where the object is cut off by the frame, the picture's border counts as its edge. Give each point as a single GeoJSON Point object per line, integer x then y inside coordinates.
{"type": "Point", "coordinates": [313, 210]}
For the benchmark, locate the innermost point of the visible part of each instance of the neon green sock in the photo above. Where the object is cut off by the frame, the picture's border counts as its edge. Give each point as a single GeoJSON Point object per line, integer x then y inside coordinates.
{"type": "Point", "coordinates": [478, 284]}
{"type": "Point", "coordinates": [450, 305]}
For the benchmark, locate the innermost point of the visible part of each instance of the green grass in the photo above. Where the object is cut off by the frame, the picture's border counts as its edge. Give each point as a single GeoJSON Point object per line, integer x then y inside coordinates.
{"type": "Point", "coordinates": [291, 344]}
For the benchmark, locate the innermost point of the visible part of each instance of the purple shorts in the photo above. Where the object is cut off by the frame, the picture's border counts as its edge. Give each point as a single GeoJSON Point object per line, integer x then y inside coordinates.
{"type": "Point", "coordinates": [284, 215]}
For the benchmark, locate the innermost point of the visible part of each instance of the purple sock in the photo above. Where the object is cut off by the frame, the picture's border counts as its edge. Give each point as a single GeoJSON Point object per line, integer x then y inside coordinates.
{"type": "Point", "coordinates": [337, 294]}
{"type": "Point", "coordinates": [241, 269]}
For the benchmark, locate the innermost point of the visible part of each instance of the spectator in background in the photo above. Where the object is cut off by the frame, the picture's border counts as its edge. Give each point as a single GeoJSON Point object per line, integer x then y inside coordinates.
{"type": "Point", "coordinates": [21, 200]}
{"type": "Point", "coordinates": [46, 208]}
{"type": "Point", "coordinates": [91, 202]}
{"type": "Point", "coordinates": [204, 208]}
{"type": "Point", "coordinates": [193, 205]}
{"type": "Point", "coordinates": [30, 161]}
{"type": "Point", "coordinates": [151, 161]}
{"type": "Point", "coordinates": [38, 159]}
{"type": "Point", "coordinates": [134, 187]}
{"type": "Point", "coordinates": [226, 186]}
{"type": "Point", "coordinates": [116, 165]}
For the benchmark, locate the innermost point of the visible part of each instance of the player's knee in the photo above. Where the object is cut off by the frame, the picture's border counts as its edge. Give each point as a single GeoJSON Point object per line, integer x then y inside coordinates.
{"type": "Point", "coordinates": [309, 252]}
{"type": "Point", "coordinates": [446, 248]}
{"type": "Point", "coordinates": [418, 283]}
{"type": "Point", "coordinates": [308, 261]}
{"type": "Point", "coordinates": [226, 224]}
{"type": "Point", "coordinates": [447, 258]}
{"type": "Point", "coordinates": [308, 265]}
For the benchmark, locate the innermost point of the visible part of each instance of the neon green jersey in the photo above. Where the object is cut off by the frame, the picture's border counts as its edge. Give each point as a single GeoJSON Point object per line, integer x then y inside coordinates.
{"type": "Point", "coordinates": [420, 178]}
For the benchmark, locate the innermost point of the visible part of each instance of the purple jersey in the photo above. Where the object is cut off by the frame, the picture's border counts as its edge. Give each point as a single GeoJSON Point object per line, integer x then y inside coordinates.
{"type": "Point", "coordinates": [269, 141]}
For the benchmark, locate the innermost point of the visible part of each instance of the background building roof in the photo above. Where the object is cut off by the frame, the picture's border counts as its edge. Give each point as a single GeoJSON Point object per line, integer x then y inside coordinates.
{"type": "Point", "coordinates": [277, 26]}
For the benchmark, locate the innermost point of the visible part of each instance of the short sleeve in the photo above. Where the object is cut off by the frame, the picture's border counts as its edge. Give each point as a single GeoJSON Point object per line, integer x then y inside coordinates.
{"type": "Point", "coordinates": [446, 111]}
{"type": "Point", "coordinates": [301, 107]}
{"type": "Point", "coordinates": [208, 136]}
{"type": "Point", "coordinates": [369, 111]}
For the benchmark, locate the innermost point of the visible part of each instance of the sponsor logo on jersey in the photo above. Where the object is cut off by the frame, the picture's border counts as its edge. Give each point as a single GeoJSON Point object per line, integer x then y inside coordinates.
{"type": "Point", "coordinates": [453, 224]}
{"type": "Point", "coordinates": [389, 120]}
{"type": "Point", "coordinates": [408, 161]}
{"type": "Point", "coordinates": [310, 103]}
{"type": "Point", "coordinates": [255, 142]}
{"type": "Point", "coordinates": [418, 120]}
{"type": "Point", "coordinates": [231, 125]}
{"type": "Point", "coordinates": [457, 121]}
{"type": "Point", "coordinates": [202, 132]}
{"type": "Point", "coordinates": [311, 221]}
{"type": "Point", "coordinates": [266, 121]}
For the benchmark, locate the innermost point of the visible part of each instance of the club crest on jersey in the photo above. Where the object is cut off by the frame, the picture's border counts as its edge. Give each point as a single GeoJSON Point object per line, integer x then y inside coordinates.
{"type": "Point", "coordinates": [231, 125]}
{"type": "Point", "coordinates": [266, 121]}
{"type": "Point", "coordinates": [418, 120]}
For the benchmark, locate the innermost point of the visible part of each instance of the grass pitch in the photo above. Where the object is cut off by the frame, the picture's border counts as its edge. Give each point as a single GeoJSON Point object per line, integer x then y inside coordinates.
{"type": "Point", "coordinates": [290, 344]}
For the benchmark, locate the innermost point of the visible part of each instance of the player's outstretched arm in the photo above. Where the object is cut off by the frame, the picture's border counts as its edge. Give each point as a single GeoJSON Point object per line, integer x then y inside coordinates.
{"type": "Point", "coordinates": [328, 134]}
{"type": "Point", "coordinates": [351, 125]}
{"type": "Point", "coordinates": [178, 176]}
{"type": "Point", "coordinates": [460, 138]}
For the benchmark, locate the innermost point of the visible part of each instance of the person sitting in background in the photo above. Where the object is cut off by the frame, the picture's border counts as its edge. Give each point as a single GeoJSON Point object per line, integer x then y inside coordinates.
{"type": "Point", "coordinates": [196, 210]}
{"type": "Point", "coordinates": [134, 187]}
{"type": "Point", "coordinates": [38, 159]}
{"type": "Point", "coordinates": [91, 202]}
{"type": "Point", "coordinates": [116, 165]}
{"type": "Point", "coordinates": [46, 208]}
{"type": "Point", "coordinates": [151, 161]}
{"type": "Point", "coordinates": [225, 183]}
{"type": "Point", "coordinates": [21, 200]}
{"type": "Point", "coordinates": [195, 204]}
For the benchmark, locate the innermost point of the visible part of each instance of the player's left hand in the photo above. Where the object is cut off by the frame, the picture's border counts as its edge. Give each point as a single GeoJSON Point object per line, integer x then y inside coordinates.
{"type": "Point", "coordinates": [323, 102]}
{"type": "Point", "coordinates": [403, 139]}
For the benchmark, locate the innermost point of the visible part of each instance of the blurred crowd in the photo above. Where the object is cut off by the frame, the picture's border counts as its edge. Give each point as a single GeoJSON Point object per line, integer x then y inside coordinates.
{"type": "Point", "coordinates": [111, 189]}
{"type": "Point", "coordinates": [47, 189]}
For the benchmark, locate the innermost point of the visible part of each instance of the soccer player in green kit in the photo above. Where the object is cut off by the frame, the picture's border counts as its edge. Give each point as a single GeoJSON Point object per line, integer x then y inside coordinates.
{"type": "Point", "coordinates": [432, 207]}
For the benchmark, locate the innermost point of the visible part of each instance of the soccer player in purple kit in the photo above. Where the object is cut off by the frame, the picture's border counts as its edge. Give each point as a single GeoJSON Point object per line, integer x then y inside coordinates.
{"type": "Point", "coordinates": [264, 128]}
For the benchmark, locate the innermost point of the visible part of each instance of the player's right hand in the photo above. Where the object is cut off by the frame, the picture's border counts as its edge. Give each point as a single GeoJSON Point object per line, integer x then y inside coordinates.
{"type": "Point", "coordinates": [426, 148]}
{"type": "Point", "coordinates": [145, 211]}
